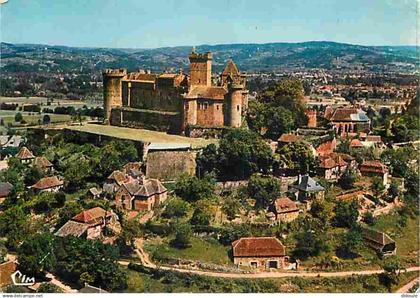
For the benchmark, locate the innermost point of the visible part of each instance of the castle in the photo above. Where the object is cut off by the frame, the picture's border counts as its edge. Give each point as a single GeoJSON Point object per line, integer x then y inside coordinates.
{"type": "Point", "coordinates": [176, 102]}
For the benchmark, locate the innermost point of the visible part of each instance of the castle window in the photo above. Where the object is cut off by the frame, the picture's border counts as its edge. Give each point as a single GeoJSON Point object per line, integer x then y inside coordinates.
{"type": "Point", "coordinates": [206, 105]}
{"type": "Point", "coordinates": [187, 106]}
{"type": "Point", "coordinates": [217, 107]}
{"type": "Point", "coordinates": [237, 107]}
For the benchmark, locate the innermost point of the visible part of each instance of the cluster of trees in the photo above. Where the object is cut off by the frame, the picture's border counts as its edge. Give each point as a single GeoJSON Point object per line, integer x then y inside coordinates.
{"type": "Point", "coordinates": [97, 112]}
{"type": "Point", "coordinates": [73, 259]}
{"type": "Point", "coordinates": [240, 154]}
{"type": "Point", "coordinates": [278, 110]}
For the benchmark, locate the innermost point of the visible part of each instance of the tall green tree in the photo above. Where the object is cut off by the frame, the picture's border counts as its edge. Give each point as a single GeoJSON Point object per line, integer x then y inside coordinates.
{"type": "Point", "coordinates": [264, 189]}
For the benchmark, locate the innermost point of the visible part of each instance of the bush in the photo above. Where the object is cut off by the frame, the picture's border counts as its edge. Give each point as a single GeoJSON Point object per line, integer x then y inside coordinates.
{"type": "Point", "coordinates": [183, 235]}
{"type": "Point", "coordinates": [176, 208]}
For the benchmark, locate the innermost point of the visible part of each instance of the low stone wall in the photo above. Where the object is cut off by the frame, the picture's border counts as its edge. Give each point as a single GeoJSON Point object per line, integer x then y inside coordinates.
{"type": "Point", "coordinates": [204, 132]}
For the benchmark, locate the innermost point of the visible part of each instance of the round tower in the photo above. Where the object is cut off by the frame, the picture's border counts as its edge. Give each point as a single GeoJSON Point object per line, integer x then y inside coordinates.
{"type": "Point", "coordinates": [235, 113]}
{"type": "Point", "coordinates": [112, 85]}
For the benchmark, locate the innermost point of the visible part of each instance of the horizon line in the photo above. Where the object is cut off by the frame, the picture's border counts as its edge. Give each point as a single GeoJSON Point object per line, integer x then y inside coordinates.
{"type": "Point", "coordinates": [206, 44]}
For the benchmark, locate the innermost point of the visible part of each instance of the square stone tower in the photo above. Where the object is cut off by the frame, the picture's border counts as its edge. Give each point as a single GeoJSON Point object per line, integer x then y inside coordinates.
{"type": "Point", "coordinates": [200, 68]}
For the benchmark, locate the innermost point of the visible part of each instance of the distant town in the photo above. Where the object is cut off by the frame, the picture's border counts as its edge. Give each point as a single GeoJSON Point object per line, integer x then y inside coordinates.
{"type": "Point", "coordinates": [260, 168]}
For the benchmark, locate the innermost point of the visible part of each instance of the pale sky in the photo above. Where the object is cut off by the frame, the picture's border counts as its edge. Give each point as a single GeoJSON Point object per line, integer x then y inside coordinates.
{"type": "Point", "coordinates": [158, 23]}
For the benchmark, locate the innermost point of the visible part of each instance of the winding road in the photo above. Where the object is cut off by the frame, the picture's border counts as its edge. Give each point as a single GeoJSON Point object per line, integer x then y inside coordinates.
{"type": "Point", "coordinates": [145, 261]}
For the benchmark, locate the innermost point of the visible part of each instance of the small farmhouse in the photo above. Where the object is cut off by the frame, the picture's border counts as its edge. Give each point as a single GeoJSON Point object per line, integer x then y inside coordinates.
{"type": "Point", "coordinates": [259, 252]}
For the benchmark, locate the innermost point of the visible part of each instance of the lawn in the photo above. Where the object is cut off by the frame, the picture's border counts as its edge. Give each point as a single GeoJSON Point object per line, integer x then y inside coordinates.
{"type": "Point", "coordinates": [207, 251]}
{"type": "Point", "coordinates": [142, 135]}
{"type": "Point", "coordinates": [407, 238]}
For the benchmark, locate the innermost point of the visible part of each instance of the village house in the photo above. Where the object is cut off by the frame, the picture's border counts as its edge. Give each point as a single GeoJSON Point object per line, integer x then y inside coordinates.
{"type": "Point", "coordinates": [140, 194]}
{"type": "Point", "coordinates": [43, 164]}
{"type": "Point", "coordinates": [379, 241]}
{"type": "Point", "coordinates": [356, 144]}
{"type": "Point", "coordinates": [25, 155]}
{"type": "Point", "coordinates": [285, 210]}
{"type": "Point", "coordinates": [51, 184]}
{"type": "Point", "coordinates": [89, 224]}
{"type": "Point", "coordinates": [347, 120]}
{"type": "Point", "coordinates": [5, 191]}
{"type": "Point", "coordinates": [114, 181]}
{"type": "Point", "coordinates": [288, 138]}
{"type": "Point", "coordinates": [331, 167]}
{"type": "Point", "coordinates": [306, 189]}
{"type": "Point", "coordinates": [374, 168]}
{"type": "Point", "coordinates": [259, 252]}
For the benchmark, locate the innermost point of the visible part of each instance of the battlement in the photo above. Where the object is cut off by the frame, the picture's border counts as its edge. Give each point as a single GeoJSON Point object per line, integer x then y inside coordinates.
{"type": "Point", "coordinates": [120, 72]}
{"type": "Point", "coordinates": [194, 56]}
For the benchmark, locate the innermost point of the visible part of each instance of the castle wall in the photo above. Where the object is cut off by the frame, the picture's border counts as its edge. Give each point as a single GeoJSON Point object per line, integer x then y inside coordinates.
{"type": "Point", "coordinates": [154, 120]}
{"type": "Point", "coordinates": [145, 95]}
{"type": "Point", "coordinates": [210, 113]}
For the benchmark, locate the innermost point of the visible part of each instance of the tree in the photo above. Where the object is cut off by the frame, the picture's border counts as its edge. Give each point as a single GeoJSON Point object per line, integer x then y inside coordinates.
{"type": "Point", "coordinates": [378, 186]}
{"type": "Point", "coordinates": [311, 240]}
{"type": "Point", "coordinates": [176, 208]}
{"type": "Point", "coordinates": [347, 180]}
{"type": "Point", "coordinates": [368, 218]}
{"type": "Point", "coordinates": [14, 225]}
{"type": "Point", "coordinates": [192, 189]}
{"type": "Point", "coordinates": [392, 268]}
{"type": "Point", "coordinates": [48, 288]}
{"type": "Point", "coordinates": [130, 231]}
{"type": "Point", "coordinates": [18, 117]}
{"type": "Point", "coordinates": [297, 157]}
{"type": "Point", "coordinates": [351, 242]}
{"type": "Point", "coordinates": [183, 235]}
{"type": "Point", "coordinates": [69, 210]}
{"type": "Point", "coordinates": [264, 189]}
{"type": "Point", "coordinates": [346, 213]}
{"type": "Point", "coordinates": [323, 210]}
{"type": "Point", "coordinates": [46, 119]}
{"type": "Point", "coordinates": [32, 175]}
{"type": "Point", "coordinates": [36, 254]}
{"type": "Point", "coordinates": [242, 153]}
{"type": "Point", "coordinates": [76, 256]}
{"type": "Point", "coordinates": [207, 161]}
{"type": "Point", "coordinates": [201, 216]}
{"type": "Point", "coordinates": [231, 206]}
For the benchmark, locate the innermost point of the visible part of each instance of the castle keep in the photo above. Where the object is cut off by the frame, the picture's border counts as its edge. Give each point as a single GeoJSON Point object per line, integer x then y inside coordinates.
{"type": "Point", "coordinates": [174, 102]}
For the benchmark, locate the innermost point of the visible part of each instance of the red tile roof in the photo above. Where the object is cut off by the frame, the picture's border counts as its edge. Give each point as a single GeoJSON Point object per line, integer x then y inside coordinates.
{"type": "Point", "coordinates": [289, 138]}
{"type": "Point", "coordinates": [374, 138]}
{"type": "Point", "coordinates": [258, 247]}
{"type": "Point", "coordinates": [48, 182]}
{"type": "Point", "coordinates": [118, 177]}
{"type": "Point", "coordinates": [91, 215]}
{"type": "Point", "coordinates": [42, 163]}
{"type": "Point", "coordinates": [373, 166]}
{"type": "Point", "coordinates": [284, 205]}
{"type": "Point", "coordinates": [6, 269]}
{"type": "Point", "coordinates": [25, 153]}
{"type": "Point", "coordinates": [207, 92]}
{"type": "Point", "coordinates": [356, 143]}
{"type": "Point", "coordinates": [343, 114]}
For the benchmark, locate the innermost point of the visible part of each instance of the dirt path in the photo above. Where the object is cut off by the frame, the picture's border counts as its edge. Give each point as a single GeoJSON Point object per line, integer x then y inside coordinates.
{"type": "Point", "coordinates": [407, 287]}
{"type": "Point", "coordinates": [65, 288]}
{"type": "Point", "coordinates": [146, 261]}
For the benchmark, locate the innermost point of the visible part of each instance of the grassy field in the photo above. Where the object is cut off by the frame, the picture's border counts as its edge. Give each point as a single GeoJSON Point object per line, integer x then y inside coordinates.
{"type": "Point", "coordinates": [43, 101]}
{"type": "Point", "coordinates": [208, 251]}
{"type": "Point", "coordinates": [142, 135]}
{"type": "Point", "coordinates": [176, 283]}
{"type": "Point", "coordinates": [407, 238]}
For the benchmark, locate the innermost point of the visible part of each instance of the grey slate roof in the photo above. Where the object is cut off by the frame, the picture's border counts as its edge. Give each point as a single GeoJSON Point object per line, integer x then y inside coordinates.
{"type": "Point", "coordinates": [308, 184]}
